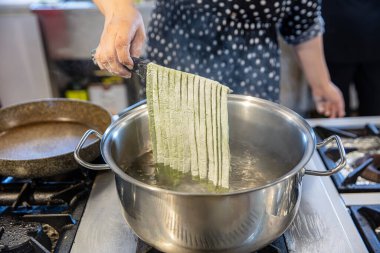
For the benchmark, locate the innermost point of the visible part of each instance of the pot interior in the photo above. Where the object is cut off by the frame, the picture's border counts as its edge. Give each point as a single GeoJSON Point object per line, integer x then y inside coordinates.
{"type": "Point", "coordinates": [267, 142]}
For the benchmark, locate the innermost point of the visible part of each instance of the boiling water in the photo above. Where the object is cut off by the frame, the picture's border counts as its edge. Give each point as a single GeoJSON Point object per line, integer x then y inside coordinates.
{"type": "Point", "coordinates": [250, 168]}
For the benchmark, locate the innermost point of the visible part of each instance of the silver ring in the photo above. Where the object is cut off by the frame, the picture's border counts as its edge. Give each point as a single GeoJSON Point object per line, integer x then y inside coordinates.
{"type": "Point", "coordinates": [319, 100]}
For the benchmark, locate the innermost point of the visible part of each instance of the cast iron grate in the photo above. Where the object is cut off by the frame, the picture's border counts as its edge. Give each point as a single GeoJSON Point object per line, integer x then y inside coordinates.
{"type": "Point", "coordinates": [365, 168]}
{"type": "Point", "coordinates": [42, 215]}
{"type": "Point", "coordinates": [367, 220]}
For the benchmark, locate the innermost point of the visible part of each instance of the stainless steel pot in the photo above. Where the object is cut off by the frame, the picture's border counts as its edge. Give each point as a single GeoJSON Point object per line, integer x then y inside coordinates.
{"type": "Point", "coordinates": [241, 221]}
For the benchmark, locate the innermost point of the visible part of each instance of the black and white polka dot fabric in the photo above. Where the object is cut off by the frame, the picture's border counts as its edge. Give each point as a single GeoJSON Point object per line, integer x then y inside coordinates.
{"type": "Point", "coordinates": [231, 41]}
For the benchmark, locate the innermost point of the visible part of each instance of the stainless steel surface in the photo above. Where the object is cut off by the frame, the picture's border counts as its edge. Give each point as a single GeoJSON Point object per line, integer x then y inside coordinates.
{"type": "Point", "coordinates": [239, 221]}
{"type": "Point", "coordinates": [21, 45]}
{"type": "Point", "coordinates": [368, 198]}
{"type": "Point", "coordinates": [322, 224]}
{"type": "Point", "coordinates": [342, 160]}
{"type": "Point", "coordinates": [345, 122]}
{"type": "Point", "coordinates": [103, 228]}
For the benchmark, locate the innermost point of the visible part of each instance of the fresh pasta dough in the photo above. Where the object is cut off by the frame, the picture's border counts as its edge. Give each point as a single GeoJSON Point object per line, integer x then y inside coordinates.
{"type": "Point", "coordinates": [188, 123]}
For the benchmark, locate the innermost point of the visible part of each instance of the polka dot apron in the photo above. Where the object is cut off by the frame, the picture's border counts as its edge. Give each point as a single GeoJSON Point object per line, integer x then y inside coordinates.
{"type": "Point", "coordinates": [233, 42]}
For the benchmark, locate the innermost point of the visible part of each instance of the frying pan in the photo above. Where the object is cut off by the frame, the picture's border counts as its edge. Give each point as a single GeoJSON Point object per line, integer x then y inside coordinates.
{"type": "Point", "coordinates": [38, 138]}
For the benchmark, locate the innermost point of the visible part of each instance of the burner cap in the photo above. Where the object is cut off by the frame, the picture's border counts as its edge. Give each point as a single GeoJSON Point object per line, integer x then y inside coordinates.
{"type": "Point", "coordinates": [20, 236]}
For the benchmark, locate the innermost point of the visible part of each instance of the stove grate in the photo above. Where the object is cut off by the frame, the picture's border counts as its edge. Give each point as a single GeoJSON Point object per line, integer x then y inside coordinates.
{"type": "Point", "coordinates": [360, 174]}
{"type": "Point", "coordinates": [367, 220]}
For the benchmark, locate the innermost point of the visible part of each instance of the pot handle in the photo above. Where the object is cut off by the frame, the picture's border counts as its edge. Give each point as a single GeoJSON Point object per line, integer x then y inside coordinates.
{"type": "Point", "coordinates": [342, 160]}
{"type": "Point", "coordinates": [79, 147]}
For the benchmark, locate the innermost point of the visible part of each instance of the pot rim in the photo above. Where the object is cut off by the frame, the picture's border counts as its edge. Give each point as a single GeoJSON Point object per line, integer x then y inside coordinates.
{"type": "Point", "coordinates": [291, 115]}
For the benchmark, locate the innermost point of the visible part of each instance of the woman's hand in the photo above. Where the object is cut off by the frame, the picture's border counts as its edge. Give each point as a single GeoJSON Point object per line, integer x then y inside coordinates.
{"type": "Point", "coordinates": [329, 101]}
{"type": "Point", "coordinates": [123, 37]}
{"type": "Point", "coordinates": [327, 97]}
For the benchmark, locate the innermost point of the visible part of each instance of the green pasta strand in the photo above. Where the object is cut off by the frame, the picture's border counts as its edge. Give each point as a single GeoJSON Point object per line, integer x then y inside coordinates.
{"type": "Point", "coordinates": [178, 116]}
{"type": "Point", "coordinates": [151, 75]}
{"type": "Point", "coordinates": [209, 130]}
{"type": "Point", "coordinates": [202, 144]}
{"type": "Point", "coordinates": [172, 133]}
{"type": "Point", "coordinates": [188, 123]}
{"type": "Point", "coordinates": [164, 85]}
{"type": "Point", "coordinates": [226, 160]}
{"type": "Point", "coordinates": [185, 124]}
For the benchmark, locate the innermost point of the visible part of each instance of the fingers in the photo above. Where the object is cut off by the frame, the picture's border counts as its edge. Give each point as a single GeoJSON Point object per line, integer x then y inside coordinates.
{"type": "Point", "coordinates": [107, 59]}
{"type": "Point", "coordinates": [329, 101]}
{"type": "Point", "coordinates": [330, 109]}
{"type": "Point", "coordinates": [122, 46]}
{"type": "Point", "coordinates": [138, 42]}
{"type": "Point", "coordinates": [341, 108]}
{"type": "Point", "coordinates": [120, 39]}
{"type": "Point", "coordinates": [106, 55]}
{"type": "Point", "coordinates": [109, 55]}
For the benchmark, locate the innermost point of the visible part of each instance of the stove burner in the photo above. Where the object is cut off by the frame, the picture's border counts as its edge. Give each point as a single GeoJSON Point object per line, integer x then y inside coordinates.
{"type": "Point", "coordinates": [17, 235]}
{"type": "Point", "coordinates": [352, 177]}
{"type": "Point", "coordinates": [367, 220]}
{"type": "Point", "coordinates": [372, 171]}
{"type": "Point", "coordinates": [25, 196]}
{"type": "Point", "coordinates": [42, 213]}
{"type": "Point", "coordinates": [362, 146]}
{"type": "Point", "coordinates": [278, 246]}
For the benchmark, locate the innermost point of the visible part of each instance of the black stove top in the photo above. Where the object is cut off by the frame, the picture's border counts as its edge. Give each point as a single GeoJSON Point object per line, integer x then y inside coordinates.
{"type": "Point", "coordinates": [362, 145]}
{"type": "Point", "coordinates": [361, 174]}
{"type": "Point", "coordinates": [42, 215]}
{"type": "Point", "coordinates": [367, 220]}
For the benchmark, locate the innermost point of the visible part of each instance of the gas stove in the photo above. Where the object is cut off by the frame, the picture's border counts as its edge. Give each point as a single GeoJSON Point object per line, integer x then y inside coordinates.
{"type": "Point", "coordinates": [42, 215]}
{"type": "Point", "coordinates": [336, 214]}
{"type": "Point", "coordinates": [358, 183]}
{"type": "Point", "coordinates": [326, 221]}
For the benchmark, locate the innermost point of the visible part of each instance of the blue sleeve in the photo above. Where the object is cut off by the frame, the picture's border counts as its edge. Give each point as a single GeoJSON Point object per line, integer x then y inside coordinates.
{"type": "Point", "coordinates": [302, 21]}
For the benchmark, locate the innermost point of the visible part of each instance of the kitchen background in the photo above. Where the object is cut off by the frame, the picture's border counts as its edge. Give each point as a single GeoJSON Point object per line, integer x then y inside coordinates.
{"type": "Point", "coordinates": [45, 52]}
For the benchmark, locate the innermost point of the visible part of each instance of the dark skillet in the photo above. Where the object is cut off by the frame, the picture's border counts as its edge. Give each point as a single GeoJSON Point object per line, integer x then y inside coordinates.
{"type": "Point", "coordinates": [38, 138]}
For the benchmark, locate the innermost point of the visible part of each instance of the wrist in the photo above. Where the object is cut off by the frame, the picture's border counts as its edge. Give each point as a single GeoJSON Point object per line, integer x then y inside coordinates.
{"type": "Point", "coordinates": [320, 85]}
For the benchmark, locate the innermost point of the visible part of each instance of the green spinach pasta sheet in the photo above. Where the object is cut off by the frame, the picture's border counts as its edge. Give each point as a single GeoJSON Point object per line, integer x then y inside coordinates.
{"type": "Point", "coordinates": [188, 123]}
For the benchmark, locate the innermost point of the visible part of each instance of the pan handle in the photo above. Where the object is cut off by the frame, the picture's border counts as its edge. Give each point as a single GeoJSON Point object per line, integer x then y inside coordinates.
{"type": "Point", "coordinates": [342, 160]}
{"type": "Point", "coordinates": [79, 147]}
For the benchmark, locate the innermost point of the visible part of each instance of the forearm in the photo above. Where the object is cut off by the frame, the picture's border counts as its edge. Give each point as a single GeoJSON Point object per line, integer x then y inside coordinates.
{"type": "Point", "coordinates": [327, 97]}
{"type": "Point", "coordinates": [311, 58]}
{"type": "Point", "coordinates": [109, 7]}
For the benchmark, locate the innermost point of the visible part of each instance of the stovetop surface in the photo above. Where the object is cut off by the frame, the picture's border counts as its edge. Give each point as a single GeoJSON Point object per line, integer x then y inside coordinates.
{"type": "Point", "coordinates": [323, 222]}
{"type": "Point", "coordinates": [361, 174]}
{"type": "Point", "coordinates": [367, 220]}
{"type": "Point", "coordinates": [42, 215]}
